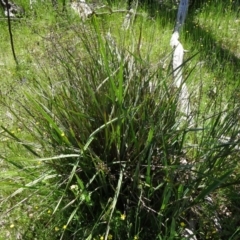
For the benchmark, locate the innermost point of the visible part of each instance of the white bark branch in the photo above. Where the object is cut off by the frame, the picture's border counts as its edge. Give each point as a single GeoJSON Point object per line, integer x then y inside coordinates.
{"type": "Point", "coordinates": [184, 105]}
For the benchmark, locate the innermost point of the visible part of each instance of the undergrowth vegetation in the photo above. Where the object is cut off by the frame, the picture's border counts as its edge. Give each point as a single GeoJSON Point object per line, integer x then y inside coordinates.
{"type": "Point", "coordinates": [93, 145]}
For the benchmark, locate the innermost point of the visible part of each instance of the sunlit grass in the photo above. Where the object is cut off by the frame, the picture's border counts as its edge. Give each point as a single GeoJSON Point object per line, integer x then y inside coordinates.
{"type": "Point", "coordinates": [222, 22]}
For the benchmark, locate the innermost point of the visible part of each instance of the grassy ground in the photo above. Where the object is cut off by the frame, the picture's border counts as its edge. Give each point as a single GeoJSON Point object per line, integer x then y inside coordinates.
{"type": "Point", "coordinates": [34, 191]}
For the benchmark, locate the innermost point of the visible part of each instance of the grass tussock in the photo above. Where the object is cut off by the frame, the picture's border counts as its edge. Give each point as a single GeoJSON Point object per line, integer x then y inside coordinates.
{"type": "Point", "coordinates": [101, 155]}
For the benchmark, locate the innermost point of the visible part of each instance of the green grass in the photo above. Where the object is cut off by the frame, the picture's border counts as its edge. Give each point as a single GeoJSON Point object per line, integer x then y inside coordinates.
{"type": "Point", "coordinates": [88, 152]}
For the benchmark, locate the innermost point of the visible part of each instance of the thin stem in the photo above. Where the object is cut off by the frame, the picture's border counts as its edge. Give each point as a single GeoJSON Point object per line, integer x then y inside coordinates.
{"type": "Point", "coordinates": [10, 34]}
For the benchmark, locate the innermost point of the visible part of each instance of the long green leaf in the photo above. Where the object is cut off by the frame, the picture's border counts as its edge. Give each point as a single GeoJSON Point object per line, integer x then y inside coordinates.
{"type": "Point", "coordinates": [45, 112]}
{"type": "Point", "coordinates": [19, 140]}
{"type": "Point", "coordinates": [216, 183]}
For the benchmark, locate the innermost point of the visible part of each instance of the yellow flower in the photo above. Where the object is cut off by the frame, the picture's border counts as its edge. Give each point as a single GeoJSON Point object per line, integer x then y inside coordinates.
{"type": "Point", "coordinates": [49, 211]}
{"type": "Point", "coordinates": [101, 238]}
{"type": "Point", "coordinates": [123, 216]}
{"type": "Point", "coordinates": [110, 237]}
{"type": "Point", "coordinates": [62, 134]}
{"type": "Point", "coordinates": [12, 226]}
{"type": "Point", "coordinates": [182, 224]}
{"type": "Point", "coordinates": [135, 237]}
{"type": "Point", "coordinates": [56, 229]}
{"type": "Point", "coordinates": [65, 226]}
